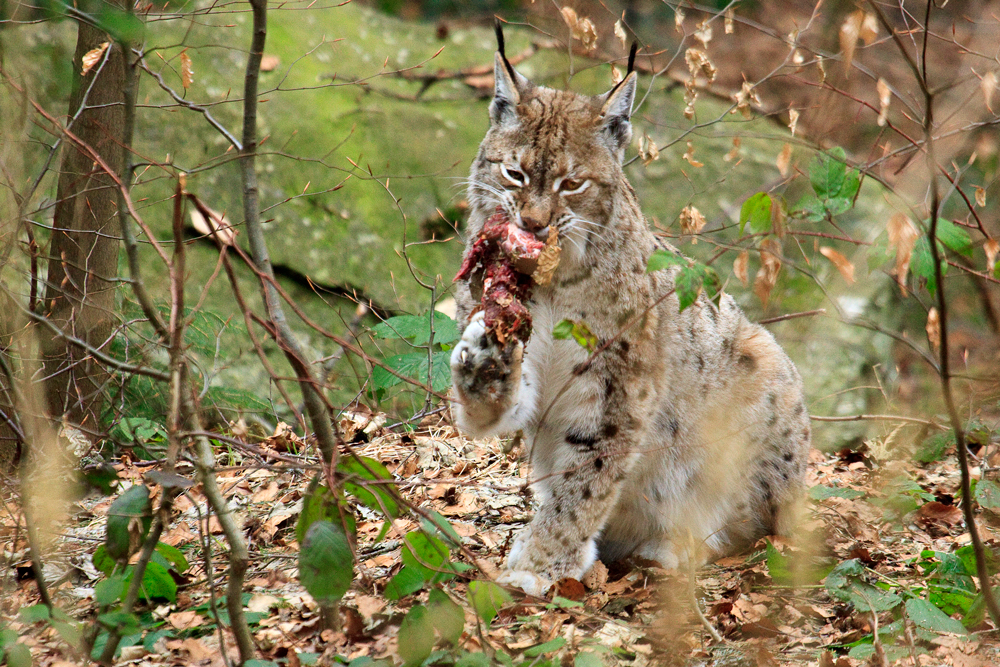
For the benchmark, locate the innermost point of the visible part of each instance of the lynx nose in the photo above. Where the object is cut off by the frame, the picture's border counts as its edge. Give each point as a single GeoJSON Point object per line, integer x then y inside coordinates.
{"type": "Point", "coordinates": [532, 224]}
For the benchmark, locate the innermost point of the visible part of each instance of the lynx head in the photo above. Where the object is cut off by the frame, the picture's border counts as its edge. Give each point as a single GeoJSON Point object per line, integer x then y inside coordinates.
{"type": "Point", "coordinates": [554, 157]}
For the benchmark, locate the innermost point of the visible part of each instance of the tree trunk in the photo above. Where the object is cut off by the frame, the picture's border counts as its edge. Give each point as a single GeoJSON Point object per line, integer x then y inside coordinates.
{"type": "Point", "coordinates": [83, 255]}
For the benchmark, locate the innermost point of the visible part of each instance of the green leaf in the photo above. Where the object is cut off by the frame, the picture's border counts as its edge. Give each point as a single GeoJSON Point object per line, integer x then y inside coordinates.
{"type": "Point", "coordinates": [373, 496]}
{"type": "Point", "coordinates": [173, 556]}
{"type": "Point", "coordinates": [435, 524]}
{"type": "Point", "coordinates": [547, 647]}
{"type": "Point", "coordinates": [102, 561]}
{"type": "Point", "coordinates": [688, 287]}
{"type": "Point", "coordinates": [156, 582]}
{"type": "Point", "coordinates": [318, 504]}
{"type": "Point", "coordinates": [416, 636]}
{"type": "Point", "coordinates": [102, 477]}
{"type": "Point", "coordinates": [33, 614]}
{"type": "Point", "coordinates": [954, 237]}
{"type": "Point", "coordinates": [138, 429]}
{"type": "Point", "coordinates": [122, 25]}
{"type": "Point", "coordinates": [449, 619]}
{"type": "Point", "coordinates": [418, 328]}
{"type": "Point", "coordinates": [124, 624]}
{"type": "Point", "coordinates": [67, 631]}
{"type": "Point", "coordinates": [757, 211]}
{"type": "Point", "coordinates": [967, 555]}
{"type": "Point", "coordinates": [778, 565]}
{"type": "Point", "coordinates": [487, 599]}
{"type": "Point", "coordinates": [661, 259]}
{"type": "Point", "coordinates": [18, 655]}
{"type": "Point", "coordinates": [110, 590]}
{"type": "Point", "coordinates": [236, 399]}
{"type": "Point", "coordinates": [473, 660]}
{"type": "Point", "coordinates": [414, 365]}
{"type": "Point", "coordinates": [257, 662]}
{"type": "Point", "coordinates": [578, 331]}
{"type": "Point", "coordinates": [929, 617]}
{"type": "Point", "coordinates": [922, 263]}
{"type": "Point", "coordinates": [811, 209]}
{"type": "Point", "coordinates": [326, 564]}
{"type": "Point", "coordinates": [408, 580]}
{"type": "Point", "coordinates": [149, 641]}
{"type": "Point", "coordinates": [820, 492]}
{"type": "Point", "coordinates": [426, 553]}
{"type": "Point", "coordinates": [130, 512]}
{"type": "Point", "coordinates": [588, 659]}
{"type": "Point", "coordinates": [827, 173]}
{"type": "Point", "coordinates": [988, 494]}
{"type": "Point", "coordinates": [845, 583]}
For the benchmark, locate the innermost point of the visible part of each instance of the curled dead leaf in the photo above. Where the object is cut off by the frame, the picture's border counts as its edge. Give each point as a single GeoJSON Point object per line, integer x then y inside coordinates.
{"type": "Point", "coordinates": [884, 98]}
{"type": "Point", "coordinates": [903, 235]}
{"type": "Point", "coordinates": [689, 156]}
{"type": "Point", "coordinates": [679, 19]}
{"type": "Point", "coordinates": [216, 224]}
{"type": "Point", "coordinates": [745, 98]}
{"type": "Point", "coordinates": [703, 33]}
{"type": "Point", "coordinates": [269, 62]}
{"type": "Point", "coordinates": [821, 64]}
{"type": "Point", "coordinates": [730, 16]}
{"type": "Point", "coordinates": [620, 33]}
{"type": "Point", "coordinates": [734, 152]}
{"type": "Point", "coordinates": [988, 84]}
{"type": "Point", "coordinates": [933, 328]}
{"type": "Point", "coordinates": [980, 196]}
{"type": "Point", "coordinates": [869, 29]}
{"type": "Point", "coordinates": [91, 58]}
{"type": "Point", "coordinates": [850, 30]}
{"type": "Point", "coordinates": [582, 29]}
{"type": "Point", "coordinates": [699, 64]}
{"type": "Point", "coordinates": [843, 265]}
{"type": "Point", "coordinates": [935, 512]}
{"type": "Point", "coordinates": [770, 267]}
{"type": "Point", "coordinates": [692, 221]}
{"type": "Point", "coordinates": [992, 247]}
{"type": "Point", "coordinates": [187, 73]}
{"type": "Point", "coordinates": [784, 158]}
{"type": "Point", "coordinates": [616, 75]}
{"type": "Point", "coordinates": [740, 265]}
{"type": "Point", "coordinates": [793, 120]}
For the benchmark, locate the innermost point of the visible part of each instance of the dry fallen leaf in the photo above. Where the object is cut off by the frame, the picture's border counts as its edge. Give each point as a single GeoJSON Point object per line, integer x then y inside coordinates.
{"type": "Point", "coordinates": [689, 156]}
{"type": "Point", "coordinates": [740, 267]}
{"type": "Point", "coordinates": [935, 512]}
{"type": "Point", "coordinates": [850, 30]}
{"type": "Point", "coordinates": [784, 158]}
{"type": "Point", "coordinates": [843, 265]}
{"type": "Point", "coordinates": [933, 328]}
{"type": "Point", "coordinates": [692, 221]}
{"type": "Point", "coordinates": [187, 74]}
{"type": "Point", "coordinates": [884, 97]}
{"type": "Point", "coordinates": [91, 57]}
{"type": "Point", "coordinates": [903, 235]}
{"type": "Point", "coordinates": [767, 275]}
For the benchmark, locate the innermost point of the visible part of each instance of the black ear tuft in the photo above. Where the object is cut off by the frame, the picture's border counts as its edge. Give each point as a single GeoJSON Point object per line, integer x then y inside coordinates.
{"type": "Point", "coordinates": [631, 57]}
{"type": "Point", "coordinates": [498, 27]}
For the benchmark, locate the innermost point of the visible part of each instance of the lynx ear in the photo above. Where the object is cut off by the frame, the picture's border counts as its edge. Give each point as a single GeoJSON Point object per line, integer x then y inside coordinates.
{"type": "Point", "coordinates": [616, 111]}
{"type": "Point", "coordinates": [508, 86]}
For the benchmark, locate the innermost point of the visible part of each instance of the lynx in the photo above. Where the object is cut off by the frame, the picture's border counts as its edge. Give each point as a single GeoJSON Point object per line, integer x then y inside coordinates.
{"type": "Point", "coordinates": [685, 437]}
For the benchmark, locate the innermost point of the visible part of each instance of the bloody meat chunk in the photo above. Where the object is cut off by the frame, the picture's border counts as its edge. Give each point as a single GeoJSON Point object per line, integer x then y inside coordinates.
{"type": "Point", "coordinates": [503, 265]}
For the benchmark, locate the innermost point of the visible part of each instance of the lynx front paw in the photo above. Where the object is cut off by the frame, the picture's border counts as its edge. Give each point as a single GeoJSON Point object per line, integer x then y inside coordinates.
{"type": "Point", "coordinates": [485, 375]}
{"type": "Point", "coordinates": [529, 582]}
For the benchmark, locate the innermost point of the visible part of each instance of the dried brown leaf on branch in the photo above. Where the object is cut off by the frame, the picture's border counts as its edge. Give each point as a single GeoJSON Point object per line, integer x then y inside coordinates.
{"type": "Point", "coordinates": [850, 30]}
{"type": "Point", "coordinates": [740, 265]}
{"type": "Point", "coordinates": [187, 73]}
{"type": "Point", "coordinates": [988, 84]}
{"type": "Point", "coordinates": [842, 263]}
{"type": "Point", "coordinates": [991, 247]}
{"type": "Point", "coordinates": [620, 33]}
{"type": "Point", "coordinates": [582, 29]}
{"type": "Point", "coordinates": [933, 328]}
{"type": "Point", "coordinates": [884, 98]}
{"type": "Point", "coordinates": [730, 23]}
{"type": "Point", "coordinates": [793, 120]}
{"type": "Point", "coordinates": [679, 19]}
{"type": "Point", "coordinates": [692, 221]}
{"type": "Point", "coordinates": [689, 156]}
{"type": "Point", "coordinates": [784, 158]}
{"type": "Point", "coordinates": [744, 99]}
{"type": "Point", "coordinates": [734, 152]}
{"type": "Point", "coordinates": [770, 267]}
{"type": "Point", "coordinates": [91, 58]}
{"type": "Point", "coordinates": [980, 196]}
{"type": "Point", "coordinates": [903, 236]}
{"type": "Point", "coordinates": [704, 32]}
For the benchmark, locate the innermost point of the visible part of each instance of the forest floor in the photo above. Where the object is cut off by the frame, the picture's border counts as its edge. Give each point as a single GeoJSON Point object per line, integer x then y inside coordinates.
{"type": "Point", "coordinates": [890, 525]}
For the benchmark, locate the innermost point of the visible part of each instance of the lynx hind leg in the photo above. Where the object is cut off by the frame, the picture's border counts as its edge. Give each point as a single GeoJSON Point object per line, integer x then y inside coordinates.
{"type": "Point", "coordinates": [780, 439]}
{"type": "Point", "coordinates": [486, 378]}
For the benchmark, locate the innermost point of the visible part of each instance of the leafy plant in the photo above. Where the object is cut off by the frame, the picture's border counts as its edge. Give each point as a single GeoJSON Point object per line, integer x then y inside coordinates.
{"type": "Point", "coordinates": [691, 279]}
{"type": "Point", "coordinates": [434, 330]}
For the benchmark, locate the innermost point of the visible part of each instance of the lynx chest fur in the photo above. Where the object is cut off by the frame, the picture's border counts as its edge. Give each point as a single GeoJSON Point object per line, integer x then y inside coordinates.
{"type": "Point", "coordinates": [686, 436]}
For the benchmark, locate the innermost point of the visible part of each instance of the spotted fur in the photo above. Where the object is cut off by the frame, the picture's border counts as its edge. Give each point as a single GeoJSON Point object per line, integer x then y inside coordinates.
{"type": "Point", "coordinates": [686, 438]}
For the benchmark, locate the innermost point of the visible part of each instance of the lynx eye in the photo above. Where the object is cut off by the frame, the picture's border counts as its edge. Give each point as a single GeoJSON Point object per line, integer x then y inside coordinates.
{"type": "Point", "coordinates": [571, 186]}
{"type": "Point", "coordinates": [514, 176]}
